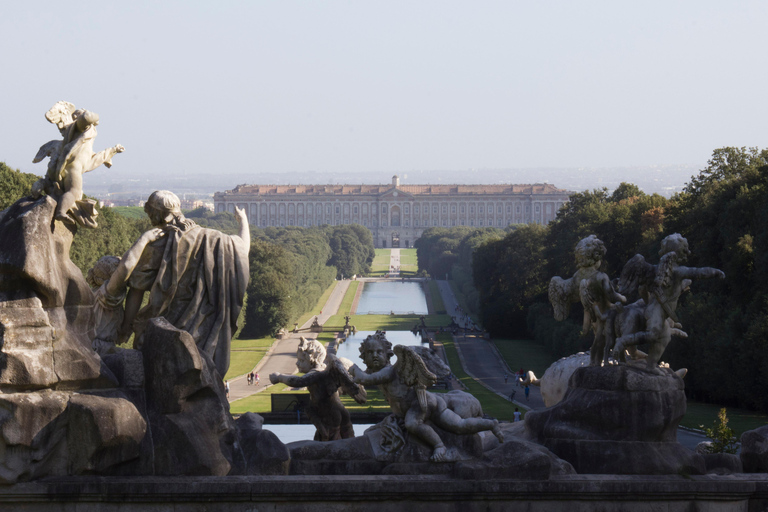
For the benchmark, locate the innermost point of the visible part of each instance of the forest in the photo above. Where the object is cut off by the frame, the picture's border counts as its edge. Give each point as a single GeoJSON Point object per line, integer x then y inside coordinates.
{"type": "Point", "coordinates": [721, 211]}
{"type": "Point", "coordinates": [290, 267]}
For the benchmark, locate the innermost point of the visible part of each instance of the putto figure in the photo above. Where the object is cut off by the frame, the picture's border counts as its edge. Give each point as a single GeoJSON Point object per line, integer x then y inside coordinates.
{"type": "Point", "coordinates": [593, 289]}
{"type": "Point", "coordinates": [405, 387]}
{"type": "Point", "coordinates": [660, 287]}
{"type": "Point", "coordinates": [324, 375]}
{"type": "Point", "coordinates": [70, 158]}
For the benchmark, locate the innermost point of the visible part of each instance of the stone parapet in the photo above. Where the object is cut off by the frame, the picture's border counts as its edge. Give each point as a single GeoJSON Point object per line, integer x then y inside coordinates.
{"type": "Point", "coordinates": [391, 493]}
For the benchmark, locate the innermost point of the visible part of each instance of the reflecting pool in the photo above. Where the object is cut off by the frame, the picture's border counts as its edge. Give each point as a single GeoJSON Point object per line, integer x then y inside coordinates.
{"type": "Point", "coordinates": [383, 298]}
{"type": "Point", "coordinates": [290, 433]}
{"type": "Point", "coordinates": [351, 348]}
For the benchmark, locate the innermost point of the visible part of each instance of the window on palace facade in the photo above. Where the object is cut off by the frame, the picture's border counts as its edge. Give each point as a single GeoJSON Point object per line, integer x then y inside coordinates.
{"type": "Point", "coordinates": [461, 222]}
{"type": "Point", "coordinates": [471, 209]}
{"type": "Point", "coordinates": [445, 223]}
{"type": "Point", "coordinates": [337, 208]}
{"type": "Point", "coordinates": [355, 209]}
{"type": "Point", "coordinates": [407, 222]}
{"type": "Point", "coordinates": [480, 222]}
{"type": "Point", "coordinates": [415, 222]}
{"type": "Point", "coordinates": [434, 222]}
{"type": "Point", "coordinates": [290, 222]}
{"type": "Point", "coordinates": [384, 223]}
{"type": "Point", "coordinates": [453, 209]}
{"type": "Point", "coordinates": [518, 209]}
{"type": "Point", "coordinates": [471, 222]}
{"type": "Point", "coordinates": [538, 207]}
{"type": "Point", "coordinates": [527, 208]}
{"type": "Point", "coordinates": [384, 208]}
{"type": "Point", "coordinates": [480, 209]}
{"type": "Point", "coordinates": [453, 222]}
{"type": "Point", "coordinates": [462, 208]}
{"type": "Point", "coordinates": [407, 209]}
{"type": "Point", "coordinates": [416, 209]}
{"type": "Point", "coordinates": [434, 210]}
{"type": "Point", "coordinates": [328, 209]}
{"type": "Point", "coordinates": [509, 209]}
{"type": "Point", "coordinates": [498, 209]}
{"type": "Point", "coordinates": [445, 209]}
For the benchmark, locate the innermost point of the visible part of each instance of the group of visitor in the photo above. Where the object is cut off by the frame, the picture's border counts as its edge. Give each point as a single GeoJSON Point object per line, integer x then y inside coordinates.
{"type": "Point", "coordinates": [252, 378]}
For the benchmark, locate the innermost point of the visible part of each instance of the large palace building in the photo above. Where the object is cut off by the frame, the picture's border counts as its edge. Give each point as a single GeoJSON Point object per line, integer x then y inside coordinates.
{"type": "Point", "coordinates": [396, 214]}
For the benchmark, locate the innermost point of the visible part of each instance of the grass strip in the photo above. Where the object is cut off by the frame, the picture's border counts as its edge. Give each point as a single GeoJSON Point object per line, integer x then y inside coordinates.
{"type": "Point", "coordinates": [245, 354]}
{"type": "Point", "coordinates": [525, 354]}
{"type": "Point", "coordinates": [346, 304]}
{"type": "Point", "coordinates": [493, 404]}
{"type": "Point", "coordinates": [385, 322]}
{"type": "Point", "coordinates": [319, 306]}
{"type": "Point", "coordinates": [437, 299]}
{"type": "Point", "coordinates": [740, 420]}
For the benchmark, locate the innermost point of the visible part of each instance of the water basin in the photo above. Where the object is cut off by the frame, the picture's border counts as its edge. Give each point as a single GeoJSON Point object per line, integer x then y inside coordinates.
{"type": "Point", "coordinates": [383, 298]}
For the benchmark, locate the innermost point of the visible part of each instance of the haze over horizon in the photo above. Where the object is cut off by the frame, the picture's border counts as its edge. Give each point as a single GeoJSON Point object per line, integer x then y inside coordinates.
{"type": "Point", "coordinates": [341, 88]}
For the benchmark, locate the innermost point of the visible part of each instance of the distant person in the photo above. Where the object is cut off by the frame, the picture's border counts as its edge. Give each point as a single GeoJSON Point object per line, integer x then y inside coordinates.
{"type": "Point", "coordinates": [257, 378]}
{"type": "Point", "coordinates": [506, 377]}
{"type": "Point", "coordinates": [527, 391]}
{"type": "Point", "coordinates": [517, 415]}
{"type": "Point", "coordinates": [226, 388]}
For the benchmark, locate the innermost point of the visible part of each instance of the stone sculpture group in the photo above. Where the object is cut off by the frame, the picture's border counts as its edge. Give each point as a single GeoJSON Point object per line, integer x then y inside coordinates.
{"type": "Point", "coordinates": [73, 402]}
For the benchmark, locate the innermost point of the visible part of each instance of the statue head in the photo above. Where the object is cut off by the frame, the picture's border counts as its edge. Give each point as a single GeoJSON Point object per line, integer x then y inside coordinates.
{"type": "Point", "coordinates": [310, 355]}
{"type": "Point", "coordinates": [162, 207]}
{"type": "Point", "coordinates": [589, 252]}
{"type": "Point", "coordinates": [677, 244]}
{"type": "Point", "coordinates": [85, 119]}
{"type": "Point", "coordinates": [376, 351]}
{"type": "Point", "coordinates": [102, 270]}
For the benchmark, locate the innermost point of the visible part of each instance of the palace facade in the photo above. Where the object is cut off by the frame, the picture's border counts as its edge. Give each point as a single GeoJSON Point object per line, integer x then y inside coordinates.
{"type": "Point", "coordinates": [396, 214]}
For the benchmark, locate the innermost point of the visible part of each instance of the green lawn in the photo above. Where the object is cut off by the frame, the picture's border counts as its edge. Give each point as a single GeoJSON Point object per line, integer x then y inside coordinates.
{"type": "Point", "coordinates": [409, 264]}
{"type": "Point", "coordinates": [493, 404]}
{"type": "Point", "coordinates": [385, 322]}
{"type": "Point", "coordinates": [740, 420]}
{"type": "Point", "coordinates": [526, 354]}
{"type": "Point", "coordinates": [346, 304]}
{"type": "Point", "coordinates": [260, 402]}
{"type": "Point", "coordinates": [246, 354]}
{"type": "Point", "coordinates": [438, 306]}
{"type": "Point", "coordinates": [380, 263]}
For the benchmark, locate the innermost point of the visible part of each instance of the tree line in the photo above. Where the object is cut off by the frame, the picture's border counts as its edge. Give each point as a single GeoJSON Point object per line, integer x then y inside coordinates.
{"type": "Point", "coordinates": [721, 212]}
{"type": "Point", "coordinates": [290, 267]}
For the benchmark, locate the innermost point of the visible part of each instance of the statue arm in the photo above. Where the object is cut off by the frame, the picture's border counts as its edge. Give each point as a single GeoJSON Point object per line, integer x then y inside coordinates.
{"type": "Point", "coordinates": [245, 232]}
{"type": "Point", "coordinates": [699, 273]}
{"type": "Point", "coordinates": [103, 157]}
{"type": "Point", "coordinates": [128, 262]}
{"type": "Point", "coordinates": [381, 377]}
{"type": "Point", "coordinates": [132, 306]}
{"type": "Point", "coordinates": [296, 381]}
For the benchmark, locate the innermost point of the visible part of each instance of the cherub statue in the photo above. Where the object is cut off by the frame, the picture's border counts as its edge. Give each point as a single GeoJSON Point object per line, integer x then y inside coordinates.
{"type": "Point", "coordinates": [70, 158]}
{"type": "Point", "coordinates": [660, 287]}
{"type": "Point", "coordinates": [590, 287]}
{"type": "Point", "coordinates": [405, 387]}
{"type": "Point", "coordinates": [109, 281]}
{"type": "Point", "coordinates": [324, 375]}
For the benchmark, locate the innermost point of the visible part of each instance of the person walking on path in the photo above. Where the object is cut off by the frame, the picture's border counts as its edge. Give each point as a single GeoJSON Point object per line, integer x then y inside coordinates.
{"type": "Point", "coordinates": [506, 377]}
{"type": "Point", "coordinates": [517, 414]}
{"type": "Point", "coordinates": [226, 388]}
{"type": "Point", "coordinates": [527, 392]}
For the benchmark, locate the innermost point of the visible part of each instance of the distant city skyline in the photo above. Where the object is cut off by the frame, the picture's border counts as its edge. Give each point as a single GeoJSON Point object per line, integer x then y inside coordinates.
{"type": "Point", "coordinates": [335, 88]}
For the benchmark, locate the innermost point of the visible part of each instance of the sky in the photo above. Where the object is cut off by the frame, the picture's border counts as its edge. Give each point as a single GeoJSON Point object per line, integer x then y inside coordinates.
{"type": "Point", "coordinates": [381, 87]}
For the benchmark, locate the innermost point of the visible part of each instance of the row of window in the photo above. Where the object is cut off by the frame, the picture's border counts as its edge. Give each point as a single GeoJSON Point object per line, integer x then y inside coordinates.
{"type": "Point", "coordinates": [417, 209]}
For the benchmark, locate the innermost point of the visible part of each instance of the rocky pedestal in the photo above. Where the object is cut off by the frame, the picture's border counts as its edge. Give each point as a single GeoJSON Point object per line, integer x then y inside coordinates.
{"type": "Point", "coordinates": [619, 420]}
{"type": "Point", "coordinates": [60, 410]}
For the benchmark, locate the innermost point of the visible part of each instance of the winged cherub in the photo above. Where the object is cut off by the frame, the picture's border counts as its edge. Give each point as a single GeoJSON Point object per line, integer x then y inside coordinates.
{"type": "Point", "coordinates": [324, 375]}
{"type": "Point", "coordinates": [590, 287]}
{"type": "Point", "coordinates": [405, 388]}
{"type": "Point", "coordinates": [660, 287]}
{"type": "Point", "coordinates": [70, 158]}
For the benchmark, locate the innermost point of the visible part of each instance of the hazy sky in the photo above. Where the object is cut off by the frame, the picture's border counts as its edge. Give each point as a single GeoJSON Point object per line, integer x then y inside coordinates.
{"type": "Point", "coordinates": [386, 87]}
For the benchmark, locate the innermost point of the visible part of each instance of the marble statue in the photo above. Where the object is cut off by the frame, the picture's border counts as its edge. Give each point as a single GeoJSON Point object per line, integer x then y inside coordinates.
{"type": "Point", "coordinates": [109, 281]}
{"type": "Point", "coordinates": [404, 385]}
{"type": "Point", "coordinates": [660, 287]}
{"type": "Point", "coordinates": [70, 158]}
{"type": "Point", "coordinates": [324, 375]}
{"type": "Point", "coordinates": [196, 279]}
{"type": "Point", "coordinates": [593, 289]}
